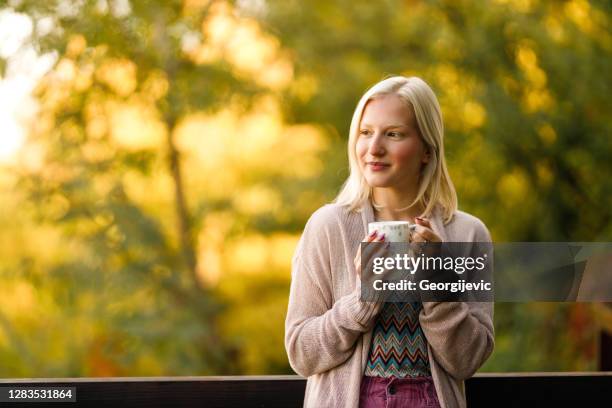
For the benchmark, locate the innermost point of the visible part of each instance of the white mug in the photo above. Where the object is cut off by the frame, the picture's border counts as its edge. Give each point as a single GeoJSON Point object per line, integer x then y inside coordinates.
{"type": "Point", "coordinates": [395, 231]}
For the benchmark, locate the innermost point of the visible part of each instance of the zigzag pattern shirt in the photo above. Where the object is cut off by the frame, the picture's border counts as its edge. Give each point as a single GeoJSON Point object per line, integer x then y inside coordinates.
{"type": "Point", "coordinates": [399, 347]}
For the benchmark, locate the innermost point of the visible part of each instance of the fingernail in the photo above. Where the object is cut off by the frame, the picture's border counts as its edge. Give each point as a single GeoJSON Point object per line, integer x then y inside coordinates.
{"type": "Point", "coordinates": [382, 237]}
{"type": "Point", "coordinates": [372, 234]}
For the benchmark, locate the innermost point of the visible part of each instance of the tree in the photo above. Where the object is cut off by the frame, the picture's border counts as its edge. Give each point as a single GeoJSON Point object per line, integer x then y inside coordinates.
{"type": "Point", "coordinates": [127, 73]}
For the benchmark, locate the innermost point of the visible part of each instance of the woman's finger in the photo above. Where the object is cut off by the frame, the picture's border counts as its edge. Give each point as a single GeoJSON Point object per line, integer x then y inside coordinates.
{"type": "Point", "coordinates": [423, 234]}
{"type": "Point", "coordinates": [422, 221]}
{"type": "Point", "coordinates": [379, 251]}
{"type": "Point", "coordinates": [368, 238]}
{"type": "Point", "coordinates": [369, 250]}
{"type": "Point", "coordinates": [374, 236]}
{"type": "Point", "coordinates": [416, 237]}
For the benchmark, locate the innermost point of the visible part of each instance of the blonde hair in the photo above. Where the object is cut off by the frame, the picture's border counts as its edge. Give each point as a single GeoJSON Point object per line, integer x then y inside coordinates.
{"type": "Point", "coordinates": [435, 185]}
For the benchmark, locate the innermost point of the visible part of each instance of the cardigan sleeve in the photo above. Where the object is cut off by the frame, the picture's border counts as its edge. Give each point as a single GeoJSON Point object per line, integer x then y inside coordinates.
{"type": "Point", "coordinates": [320, 333]}
{"type": "Point", "coordinates": [461, 334]}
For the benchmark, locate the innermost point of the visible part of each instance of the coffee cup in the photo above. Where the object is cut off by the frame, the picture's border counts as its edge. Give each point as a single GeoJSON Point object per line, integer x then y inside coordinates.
{"type": "Point", "coordinates": [395, 231]}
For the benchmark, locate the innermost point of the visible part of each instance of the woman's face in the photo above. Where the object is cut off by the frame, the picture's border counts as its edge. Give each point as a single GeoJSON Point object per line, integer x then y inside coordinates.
{"type": "Point", "coordinates": [390, 151]}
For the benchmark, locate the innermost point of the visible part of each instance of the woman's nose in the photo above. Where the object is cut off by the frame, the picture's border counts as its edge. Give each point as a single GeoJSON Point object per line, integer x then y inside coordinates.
{"type": "Point", "coordinates": [376, 147]}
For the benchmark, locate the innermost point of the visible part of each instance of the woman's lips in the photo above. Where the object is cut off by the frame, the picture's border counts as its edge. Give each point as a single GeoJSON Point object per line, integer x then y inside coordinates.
{"type": "Point", "coordinates": [378, 166]}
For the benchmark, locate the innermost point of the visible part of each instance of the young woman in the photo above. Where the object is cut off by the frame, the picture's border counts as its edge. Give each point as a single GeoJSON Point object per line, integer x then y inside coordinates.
{"type": "Point", "coordinates": [375, 354]}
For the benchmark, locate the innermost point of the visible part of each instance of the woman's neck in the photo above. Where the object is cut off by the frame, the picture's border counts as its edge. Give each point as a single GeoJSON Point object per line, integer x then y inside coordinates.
{"type": "Point", "coordinates": [394, 205]}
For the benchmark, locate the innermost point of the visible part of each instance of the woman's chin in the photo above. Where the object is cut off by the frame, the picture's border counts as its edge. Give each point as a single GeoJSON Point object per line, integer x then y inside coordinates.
{"type": "Point", "coordinates": [377, 182]}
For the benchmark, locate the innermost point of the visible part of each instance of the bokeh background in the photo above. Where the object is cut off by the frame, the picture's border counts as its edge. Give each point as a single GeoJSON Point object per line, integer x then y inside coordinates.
{"type": "Point", "coordinates": [159, 159]}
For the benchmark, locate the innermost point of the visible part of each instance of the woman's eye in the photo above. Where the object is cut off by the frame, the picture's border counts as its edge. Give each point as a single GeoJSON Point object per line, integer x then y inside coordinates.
{"type": "Point", "coordinates": [364, 132]}
{"type": "Point", "coordinates": [394, 134]}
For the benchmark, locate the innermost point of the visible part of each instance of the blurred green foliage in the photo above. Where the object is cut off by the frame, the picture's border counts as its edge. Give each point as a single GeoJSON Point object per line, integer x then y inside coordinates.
{"type": "Point", "coordinates": [181, 145]}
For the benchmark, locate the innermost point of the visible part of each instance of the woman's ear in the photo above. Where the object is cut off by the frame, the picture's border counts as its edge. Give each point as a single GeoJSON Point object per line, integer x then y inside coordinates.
{"type": "Point", "coordinates": [426, 155]}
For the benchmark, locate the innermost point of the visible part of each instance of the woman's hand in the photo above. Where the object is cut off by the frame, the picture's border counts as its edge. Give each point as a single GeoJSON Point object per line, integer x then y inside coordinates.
{"type": "Point", "coordinates": [425, 235]}
{"type": "Point", "coordinates": [423, 231]}
{"type": "Point", "coordinates": [370, 253]}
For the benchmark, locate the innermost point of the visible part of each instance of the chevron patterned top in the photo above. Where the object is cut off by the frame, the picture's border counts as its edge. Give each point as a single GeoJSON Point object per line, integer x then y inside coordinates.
{"type": "Point", "coordinates": [399, 347]}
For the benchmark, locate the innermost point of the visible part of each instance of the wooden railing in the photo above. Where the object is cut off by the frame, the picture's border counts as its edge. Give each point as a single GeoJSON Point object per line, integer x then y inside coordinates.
{"type": "Point", "coordinates": [483, 390]}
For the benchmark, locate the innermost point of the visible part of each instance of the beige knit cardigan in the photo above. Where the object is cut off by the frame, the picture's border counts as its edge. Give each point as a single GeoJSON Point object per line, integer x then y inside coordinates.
{"type": "Point", "coordinates": [328, 328]}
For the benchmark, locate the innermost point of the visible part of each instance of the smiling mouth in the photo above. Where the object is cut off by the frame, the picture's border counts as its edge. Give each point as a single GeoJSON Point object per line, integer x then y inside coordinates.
{"type": "Point", "coordinates": [378, 165]}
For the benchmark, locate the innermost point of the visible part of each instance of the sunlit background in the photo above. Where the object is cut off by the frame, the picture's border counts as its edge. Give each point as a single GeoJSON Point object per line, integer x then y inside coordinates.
{"type": "Point", "coordinates": [158, 161]}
